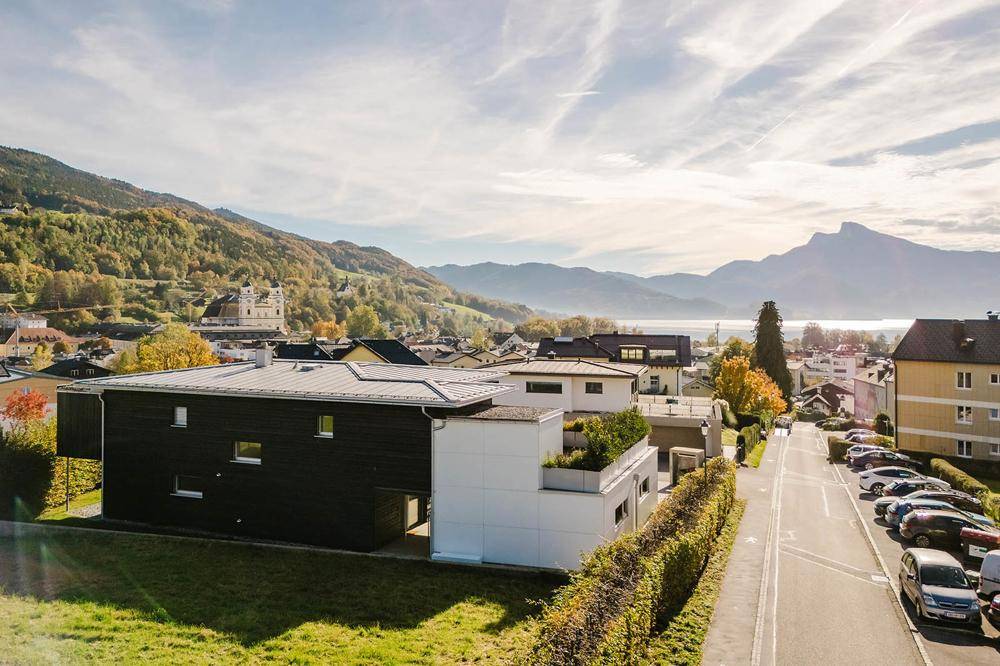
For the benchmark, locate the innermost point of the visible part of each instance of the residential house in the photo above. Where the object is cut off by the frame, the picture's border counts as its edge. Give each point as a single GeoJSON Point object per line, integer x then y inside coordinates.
{"type": "Point", "coordinates": [23, 380]}
{"type": "Point", "coordinates": [666, 355]}
{"type": "Point", "coordinates": [456, 359]}
{"type": "Point", "coordinates": [676, 421]}
{"type": "Point", "coordinates": [499, 355]}
{"type": "Point", "coordinates": [359, 349]}
{"type": "Point", "coordinates": [359, 456]}
{"type": "Point", "coordinates": [23, 320]}
{"type": "Point", "coordinates": [504, 342]}
{"type": "Point", "coordinates": [696, 387]}
{"type": "Point", "coordinates": [830, 397]}
{"type": "Point", "coordinates": [827, 366]}
{"type": "Point", "coordinates": [947, 385]}
{"type": "Point", "coordinates": [23, 341]}
{"type": "Point", "coordinates": [77, 367]}
{"type": "Point", "coordinates": [576, 387]}
{"type": "Point", "coordinates": [797, 369]}
{"type": "Point", "coordinates": [870, 395]}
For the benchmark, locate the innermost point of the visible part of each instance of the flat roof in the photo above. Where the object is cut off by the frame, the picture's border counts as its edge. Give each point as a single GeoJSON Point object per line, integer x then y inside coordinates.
{"type": "Point", "coordinates": [541, 366]}
{"type": "Point", "coordinates": [510, 413]}
{"type": "Point", "coordinates": [419, 385]}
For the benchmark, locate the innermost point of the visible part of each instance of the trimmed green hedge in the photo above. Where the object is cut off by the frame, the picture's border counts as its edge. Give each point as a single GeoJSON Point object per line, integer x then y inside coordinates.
{"type": "Point", "coordinates": [608, 437]}
{"type": "Point", "coordinates": [838, 447]}
{"type": "Point", "coordinates": [627, 588]}
{"type": "Point", "coordinates": [963, 481]}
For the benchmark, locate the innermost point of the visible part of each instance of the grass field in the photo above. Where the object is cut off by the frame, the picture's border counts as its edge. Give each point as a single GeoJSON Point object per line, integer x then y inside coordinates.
{"type": "Point", "coordinates": [467, 310]}
{"type": "Point", "coordinates": [70, 596]}
{"type": "Point", "coordinates": [59, 513]}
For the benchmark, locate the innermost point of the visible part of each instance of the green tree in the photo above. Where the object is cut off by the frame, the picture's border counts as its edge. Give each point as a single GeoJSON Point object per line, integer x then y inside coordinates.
{"type": "Point", "coordinates": [813, 336]}
{"type": "Point", "coordinates": [479, 340]}
{"type": "Point", "coordinates": [363, 322]}
{"type": "Point", "coordinates": [41, 358]}
{"type": "Point", "coordinates": [769, 348]}
{"type": "Point", "coordinates": [534, 329]}
{"type": "Point", "coordinates": [735, 348]}
{"type": "Point", "coordinates": [578, 326]}
{"type": "Point", "coordinates": [173, 348]}
{"type": "Point", "coordinates": [879, 345]}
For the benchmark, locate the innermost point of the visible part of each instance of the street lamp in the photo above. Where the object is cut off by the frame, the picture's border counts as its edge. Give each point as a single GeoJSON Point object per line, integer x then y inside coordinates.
{"type": "Point", "coordinates": [705, 427]}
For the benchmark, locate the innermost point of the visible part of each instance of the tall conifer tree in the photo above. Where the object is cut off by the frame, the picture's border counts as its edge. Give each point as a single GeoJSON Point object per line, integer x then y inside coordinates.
{"type": "Point", "coordinates": [769, 348]}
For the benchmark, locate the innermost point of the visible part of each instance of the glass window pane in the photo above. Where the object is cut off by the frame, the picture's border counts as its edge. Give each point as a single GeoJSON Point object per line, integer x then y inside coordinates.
{"type": "Point", "coordinates": [180, 416]}
{"type": "Point", "coordinates": [325, 426]}
{"type": "Point", "coordinates": [248, 450]}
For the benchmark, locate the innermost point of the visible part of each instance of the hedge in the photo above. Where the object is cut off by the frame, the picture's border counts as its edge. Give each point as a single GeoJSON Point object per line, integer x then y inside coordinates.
{"type": "Point", "coordinates": [838, 447]}
{"type": "Point", "coordinates": [809, 416]}
{"type": "Point", "coordinates": [627, 588]}
{"type": "Point", "coordinates": [961, 480]}
{"type": "Point", "coordinates": [751, 437]}
{"type": "Point", "coordinates": [744, 420]}
{"type": "Point", "coordinates": [608, 437]}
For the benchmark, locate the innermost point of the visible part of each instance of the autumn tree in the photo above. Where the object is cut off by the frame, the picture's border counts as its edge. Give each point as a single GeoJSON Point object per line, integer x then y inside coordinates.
{"type": "Point", "coordinates": [480, 339]}
{"type": "Point", "coordinates": [734, 348]}
{"type": "Point", "coordinates": [329, 328]}
{"type": "Point", "coordinates": [747, 390]}
{"type": "Point", "coordinates": [578, 326]}
{"type": "Point", "coordinates": [22, 408]}
{"type": "Point", "coordinates": [60, 347]}
{"type": "Point", "coordinates": [604, 325]}
{"type": "Point", "coordinates": [41, 358]}
{"type": "Point", "coordinates": [363, 322]}
{"type": "Point", "coordinates": [173, 348]}
{"type": "Point", "coordinates": [534, 329]}
{"type": "Point", "coordinates": [769, 348]}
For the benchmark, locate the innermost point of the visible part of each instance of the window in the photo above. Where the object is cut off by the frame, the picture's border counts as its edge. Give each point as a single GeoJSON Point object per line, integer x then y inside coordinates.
{"type": "Point", "coordinates": [964, 380]}
{"type": "Point", "coordinates": [621, 512]}
{"type": "Point", "coordinates": [963, 414]}
{"type": "Point", "coordinates": [324, 426]}
{"type": "Point", "coordinates": [644, 487]}
{"type": "Point", "coordinates": [74, 373]}
{"type": "Point", "coordinates": [963, 449]}
{"type": "Point", "coordinates": [994, 414]}
{"type": "Point", "coordinates": [654, 382]}
{"type": "Point", "coordinates": [995, 378]}
{"type": "Point", "coordinates": [995, 448]}
{"type": "Point", "coordinates": [662, 354]}
{"type": "Point", "coordinates": [632, 353]}
{"type": "Point", "coordinates": [543, 387]}
{"type": "Point", "coordinates": [180, 417]}
{"type": "Point", "coordinates": [595, 387]}
{"type": "Point", "coordinates": [247, 452]}
{"type": "Point", "coordinates": [188, 486]}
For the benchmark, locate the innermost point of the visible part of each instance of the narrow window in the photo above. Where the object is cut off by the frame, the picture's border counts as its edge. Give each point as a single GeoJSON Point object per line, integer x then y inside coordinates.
{"type": "Point", "coordinates": [248, 452]}
{"type": "Point", "coordinates": [964, 449]}
{"type": "Point", "coordinates": [180, 417]}
{"type": "Point", "coordinates": [995, 378]}
{"type": "Point", "coordinates": [994, 414]}
{"type": "Point", "coordinates": [644, 487]}
{"type": "Point", "coordinates": [621, 512]}
{"type": "Point", "coordinates": [74, 373]}
{"type": "Point", "coordinates": [543, 387]}
{"type": "Point", "coordinates": [595, 387]}
{"type": "Point", "coordinates": [188, 486]}
{"type": "Point", "coordinates": [995, 448]}
{"type": "Point", "coordinates": [963, 380]}
{"type": "Point", "coordinates": [963, 414]}
{"type": "Point", "coordinates": [324, 426]}
{"type": "Point", "coordinates": [654, 382]}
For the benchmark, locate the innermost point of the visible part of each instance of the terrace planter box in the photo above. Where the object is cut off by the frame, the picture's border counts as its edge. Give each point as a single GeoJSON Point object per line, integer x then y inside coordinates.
{"type": "Point", "coordinates": [584, 481]}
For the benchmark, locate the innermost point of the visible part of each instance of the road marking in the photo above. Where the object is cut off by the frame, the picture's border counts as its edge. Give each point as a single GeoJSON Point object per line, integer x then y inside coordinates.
{"type": "Point", "coordinates": [893, 584]}
{"type": "Point", "coordinates": [829, 568]}
{"type": "Point", "coordinates": [826, 502]}
{"type": "Point", "coordinates": [750, 539]}
{"type": "Point", "coordinates": [880, 579]}
{"type": "Point", "coordinates": [830, 560]}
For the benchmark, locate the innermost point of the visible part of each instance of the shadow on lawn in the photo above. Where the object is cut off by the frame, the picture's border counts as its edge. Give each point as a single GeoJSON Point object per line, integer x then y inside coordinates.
{"type": "Point", "coordinates": [255, 593]}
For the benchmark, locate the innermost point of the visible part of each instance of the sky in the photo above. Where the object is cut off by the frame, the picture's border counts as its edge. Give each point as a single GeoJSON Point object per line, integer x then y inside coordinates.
{"type": "Point", "coordinates": [642, 137]}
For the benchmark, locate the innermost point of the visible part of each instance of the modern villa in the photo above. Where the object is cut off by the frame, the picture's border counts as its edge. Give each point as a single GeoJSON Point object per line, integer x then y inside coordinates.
{"type": "Point", "coordinates": [353, 455]}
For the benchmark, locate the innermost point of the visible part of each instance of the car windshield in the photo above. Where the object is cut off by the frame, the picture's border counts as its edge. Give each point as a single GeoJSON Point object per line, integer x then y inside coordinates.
{"type": "Point", "coordinates": [941, 575]}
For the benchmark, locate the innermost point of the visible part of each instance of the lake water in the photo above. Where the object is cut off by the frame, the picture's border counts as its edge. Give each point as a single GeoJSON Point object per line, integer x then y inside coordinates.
{"type": "Point", "coordinates": [700, 328]}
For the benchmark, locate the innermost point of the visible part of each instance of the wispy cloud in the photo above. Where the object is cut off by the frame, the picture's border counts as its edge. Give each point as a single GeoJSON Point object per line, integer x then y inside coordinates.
{"type": "Point", "coordinates": [630, 136]}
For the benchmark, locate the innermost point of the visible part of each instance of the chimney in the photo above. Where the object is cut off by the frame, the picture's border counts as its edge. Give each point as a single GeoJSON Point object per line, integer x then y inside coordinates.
{"type": "Point", "coordinates": [264, 357]}
{"type": "Point", "coordinates": [993, 315]}
{"type": "Point", "coordinates": [958, 331]}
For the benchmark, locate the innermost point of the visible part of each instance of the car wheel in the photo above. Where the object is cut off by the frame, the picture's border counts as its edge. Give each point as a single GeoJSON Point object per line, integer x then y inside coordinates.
{"type": "Point", "coordinates": [869, 466]}
{"type": "Point", "coordinates": [922, 541]}
{"type": "Point", "coordinates": [876, 488]}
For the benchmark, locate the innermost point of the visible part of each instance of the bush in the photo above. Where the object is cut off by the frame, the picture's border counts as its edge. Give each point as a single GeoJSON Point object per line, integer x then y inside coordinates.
{"type": "Point", "coordinates": [744, 420]}
{"type": "Point", "coordinates": [27, 467]}
{"type": "Point", "coordinates": [838, 449]}
{"type": "Point", "coordinates": [608, 437]}
{"type": "Point", "coordinates": [883, 424]}
{"type": "Point", "coordinates": [627, 588]}
{"type": "Point", "coordinates": [576, 425]}
{"type": "Point", "coordinates": [809, 415]}
{"type": "Point", "coordinates": [961, 480]}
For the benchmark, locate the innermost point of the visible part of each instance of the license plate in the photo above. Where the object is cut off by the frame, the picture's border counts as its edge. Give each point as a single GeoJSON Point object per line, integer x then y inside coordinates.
{"type": "Point", "coordinates": [954, 616]}
{"type": "Point", "coordinates": [977, 551]}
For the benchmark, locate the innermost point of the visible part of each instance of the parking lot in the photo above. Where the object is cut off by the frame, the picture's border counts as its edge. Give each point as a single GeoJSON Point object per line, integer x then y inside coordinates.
{"type": "Point", "coordinates": [944, 644]}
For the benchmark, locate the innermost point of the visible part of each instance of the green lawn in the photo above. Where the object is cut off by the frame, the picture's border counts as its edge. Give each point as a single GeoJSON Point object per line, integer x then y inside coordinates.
{"type": "Point", "coordinates": [467, 310]}
{"type": "Point", "coordinates": [78, 502]}
{"type": "Point", "coordinates": [68, 596]}
{"type": "Point", "coordinates": [755, 456]}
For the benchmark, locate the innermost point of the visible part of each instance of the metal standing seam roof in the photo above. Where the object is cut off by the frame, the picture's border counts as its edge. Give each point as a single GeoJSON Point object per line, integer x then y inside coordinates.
{"type": "Point", "coordinates": [578, 368]}
{"type": "Point", "coordinates": [318, 380]}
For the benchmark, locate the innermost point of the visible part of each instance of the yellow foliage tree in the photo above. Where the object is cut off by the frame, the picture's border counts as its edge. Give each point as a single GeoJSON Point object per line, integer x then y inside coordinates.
{"type": "Point", "coordinates": [173, 348]}
{"type": "Point", "coordinates": [329, 329]}
{"type": "Point", "coordinates": [747, 391]}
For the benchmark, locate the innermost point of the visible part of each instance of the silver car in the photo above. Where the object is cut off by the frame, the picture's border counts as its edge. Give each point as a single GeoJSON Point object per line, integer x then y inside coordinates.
{"type": "Point", "coordinates": [938, 587]}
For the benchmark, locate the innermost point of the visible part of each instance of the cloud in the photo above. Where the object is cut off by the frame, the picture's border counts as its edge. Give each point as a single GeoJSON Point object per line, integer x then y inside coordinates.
{"type": "Point", "coordinates": [632, 136]}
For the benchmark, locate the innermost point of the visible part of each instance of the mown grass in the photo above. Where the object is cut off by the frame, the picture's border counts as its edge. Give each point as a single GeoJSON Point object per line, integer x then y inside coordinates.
{"type": "Point", "coordinates": [683, 640]}
{"type": "Point", "coordinates": [71, 596]}
{"type": "Point", "coordinates": [472, 312]}
{"type": "Point", "coordinates": [59, 513]}
{"type": "Point", "coordinates": [757, 454]}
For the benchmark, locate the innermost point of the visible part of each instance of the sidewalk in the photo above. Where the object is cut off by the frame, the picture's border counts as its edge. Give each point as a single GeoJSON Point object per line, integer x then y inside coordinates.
{"type": "Point", "coordinates": [730, 637]}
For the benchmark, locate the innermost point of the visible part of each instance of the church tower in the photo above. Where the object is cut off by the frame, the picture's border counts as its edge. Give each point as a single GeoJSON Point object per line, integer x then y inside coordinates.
{"type": "Point", "coordinates": [247, 300]}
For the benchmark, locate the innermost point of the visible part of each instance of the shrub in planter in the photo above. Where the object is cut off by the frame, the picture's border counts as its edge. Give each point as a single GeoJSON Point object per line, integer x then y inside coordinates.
{"type": "Point", "coordinates": [576, 425]}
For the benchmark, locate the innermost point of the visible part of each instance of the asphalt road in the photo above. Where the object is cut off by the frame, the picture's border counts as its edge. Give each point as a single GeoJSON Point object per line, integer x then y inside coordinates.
{"type": "Point", "coordinates": [944, 644]}
{"type": "Point", "coordinates": [824, 598]}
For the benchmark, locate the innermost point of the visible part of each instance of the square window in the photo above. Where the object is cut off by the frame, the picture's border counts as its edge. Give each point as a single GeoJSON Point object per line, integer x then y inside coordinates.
{"type": "Point", "coordinates": [963, 380]}
{"type": "Point", "coordinates": [595, 387]}
{"type": "Point", "coordinates": [248, 452]}
{"type": "Point", "coordinates": [188, 486]}
{"type": "Point", "coordinates": [963, 414]}
{"type": "Point", "coordinates": [994, 414]}
{"type": "Point", "coordinates": [994, 449]}
{"type": "Point", "coordinates": [181, 417]}
{"type": "Point", "coordinates": [995, 378]}
{"type": "Point", "coordinates": [324, 426]}
{"type": "Point", "coordinates": [963, 449]}
{"type": "Point", "coordinates": [621, 512]}
{"type": "Point", "coordinates": [644, 487]}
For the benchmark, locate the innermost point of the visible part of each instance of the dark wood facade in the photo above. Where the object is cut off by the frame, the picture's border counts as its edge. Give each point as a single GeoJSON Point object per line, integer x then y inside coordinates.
{"type": "Point", "coordinates": [307, 489]}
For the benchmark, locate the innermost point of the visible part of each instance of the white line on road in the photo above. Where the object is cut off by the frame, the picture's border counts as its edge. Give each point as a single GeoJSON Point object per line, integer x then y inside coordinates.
{"type": "Point", "coordinates": [826, 502]}
{"type": "Point", "coordinates": [832, 561]}
{"type": "Point", "coordinates": [914, 632]}
{"type": "Point", "coordinates": [828, 567]}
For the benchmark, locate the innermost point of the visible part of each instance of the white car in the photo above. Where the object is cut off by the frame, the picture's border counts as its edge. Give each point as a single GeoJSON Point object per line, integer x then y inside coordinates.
{"type": "Point", "coordinates": [861, 449]}
{"type": "Point", "coordinates": [874, 480]}
{"type": "Point", "coordinates": [860, 431]}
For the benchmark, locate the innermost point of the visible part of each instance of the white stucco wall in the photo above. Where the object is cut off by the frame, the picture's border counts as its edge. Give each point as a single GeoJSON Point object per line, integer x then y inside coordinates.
{"type": "Point", "coordinates": [489, 506]}
{"type": "Point", "coordinates": [617, 393]}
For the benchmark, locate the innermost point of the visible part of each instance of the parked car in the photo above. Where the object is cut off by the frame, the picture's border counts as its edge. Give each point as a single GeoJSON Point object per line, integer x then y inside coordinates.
{"type": "Point", "coordinates": [938, 528]}
{"type": "Point", "coordinates": [993, 611]}
{"type": "Point", "coordinates": [874, 480]}
{"type": "Point", "coordinates": [860, 449]}
{"type": "Point", "coordinates": [896, 511]}
{"type": "Point", "coordinates": [938, 587]}
{"type": "Point", "coordinates": [862, 438]}
{"type": "Point", "coordinates": [905, 487]}
{"type": "Point", "coordinates": [882, 458]}
{"type": "Point", "coordinates": [860, 431]}
{"type": "Point", "coordinates": [978, 542]}
{"type": "Point", "coordinates": [963, 501]}
{"type": "Point", "coordinates": [989, 576]}
{"type": "Point", "coordinates": [783, 422]}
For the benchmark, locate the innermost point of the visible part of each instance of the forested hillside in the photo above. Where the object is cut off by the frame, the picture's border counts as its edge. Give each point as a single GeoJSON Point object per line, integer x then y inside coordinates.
{"type": "Point", "coordinates": [148, 255]}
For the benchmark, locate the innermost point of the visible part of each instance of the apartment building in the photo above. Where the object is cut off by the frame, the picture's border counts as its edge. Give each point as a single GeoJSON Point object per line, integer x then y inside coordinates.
{"type": "Point", "coordinates": [947, 386]}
